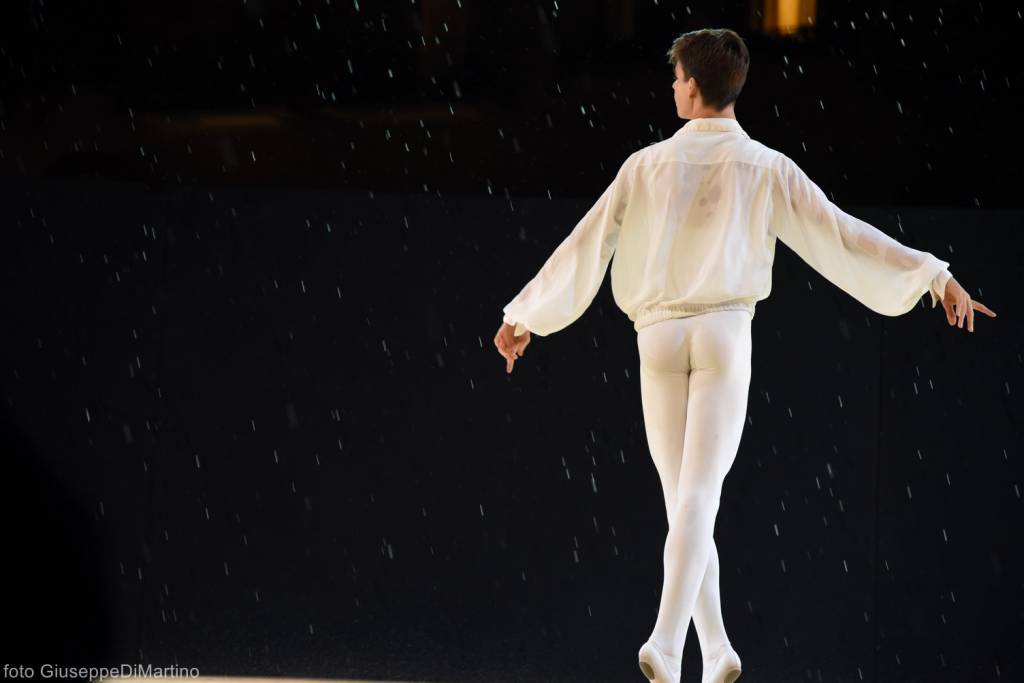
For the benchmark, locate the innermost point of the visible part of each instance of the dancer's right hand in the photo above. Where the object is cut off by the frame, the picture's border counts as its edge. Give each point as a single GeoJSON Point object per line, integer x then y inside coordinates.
{"type": "Point", "coordinates": [509, 345]}
{"type": "Point", "coordinates": [959, 306]}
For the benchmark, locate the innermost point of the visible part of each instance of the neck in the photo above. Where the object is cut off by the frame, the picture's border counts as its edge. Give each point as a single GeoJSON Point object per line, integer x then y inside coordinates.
{"type": "Point", "coordinates": [708, 113]}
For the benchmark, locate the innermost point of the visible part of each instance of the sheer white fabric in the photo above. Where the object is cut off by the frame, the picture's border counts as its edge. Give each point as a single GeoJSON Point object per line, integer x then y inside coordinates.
{"type": "Point", "coordinates": [689, 225]}
{"type": "Point", "coordinates": [880, 272]}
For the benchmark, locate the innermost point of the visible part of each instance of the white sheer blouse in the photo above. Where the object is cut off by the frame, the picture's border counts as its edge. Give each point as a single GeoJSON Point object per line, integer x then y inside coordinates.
{"type": "Point", "coordinates": [692, 222]}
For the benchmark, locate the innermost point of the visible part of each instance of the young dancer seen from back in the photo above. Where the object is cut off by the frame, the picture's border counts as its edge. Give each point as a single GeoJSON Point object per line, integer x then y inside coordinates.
{"type": "Point", "coordinates": [692, 222]}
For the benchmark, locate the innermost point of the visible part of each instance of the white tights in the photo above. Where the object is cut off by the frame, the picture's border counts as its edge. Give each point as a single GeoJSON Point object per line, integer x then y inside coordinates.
{"type": "Point", "coordinates": [694, 378]}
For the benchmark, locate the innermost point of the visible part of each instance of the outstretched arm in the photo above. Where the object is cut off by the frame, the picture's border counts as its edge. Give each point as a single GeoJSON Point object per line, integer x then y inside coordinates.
{"type": "Point", "coordinates": [570, 278]}
{"type": "Point", "coordinates": [886, 276]}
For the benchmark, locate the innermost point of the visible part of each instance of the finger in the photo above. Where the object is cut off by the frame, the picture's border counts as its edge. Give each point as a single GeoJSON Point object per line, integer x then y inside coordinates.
{"type": "Point", "coordinates": [508, 366]}
{"type": "Point", "coordinates": [983, 308]}
{"type": "Point", "coordinates": [970, 319]}
{"type": "Point", "coordinates": [960, 309]}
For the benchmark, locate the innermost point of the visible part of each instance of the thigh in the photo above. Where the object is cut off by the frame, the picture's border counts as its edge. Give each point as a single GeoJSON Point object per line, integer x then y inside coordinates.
{"type": "Point", "coordinates": [717, 406]}
{"type": "Point", "coordinates": [664, 386]}
{"type": "Point", "coordinates": [664, 399]}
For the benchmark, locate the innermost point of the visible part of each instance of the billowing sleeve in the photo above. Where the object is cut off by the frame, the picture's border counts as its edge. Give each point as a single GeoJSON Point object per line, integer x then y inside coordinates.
{"type": "Point", "coordinates": [939, 286]}
{"type": "Point", "coordinates": [866, 263]}
{"type": "Point", "coordinates": [571, 277]}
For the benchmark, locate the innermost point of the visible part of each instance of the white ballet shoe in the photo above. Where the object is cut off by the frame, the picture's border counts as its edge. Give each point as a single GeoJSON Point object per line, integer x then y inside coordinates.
{"type": "Point", "coordinates": [658, 666]}
{"type": "Point", "coordinates": [724, 667]}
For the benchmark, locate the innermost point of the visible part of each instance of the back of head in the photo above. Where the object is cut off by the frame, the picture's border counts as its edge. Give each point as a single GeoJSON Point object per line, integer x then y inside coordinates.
{"type": "Point", "coordinates": [717, 58]}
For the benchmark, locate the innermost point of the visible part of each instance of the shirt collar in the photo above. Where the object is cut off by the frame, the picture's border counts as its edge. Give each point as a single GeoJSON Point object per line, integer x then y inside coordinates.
{"type": "Point", "coordinates": [712, 123]}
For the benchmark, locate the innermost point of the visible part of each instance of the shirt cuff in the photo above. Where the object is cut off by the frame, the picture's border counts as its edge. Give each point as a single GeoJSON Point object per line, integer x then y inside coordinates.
{"type": "Point", "coordinates": [938, 286]}
{"type": "Point", "coordinates": [520, 327]}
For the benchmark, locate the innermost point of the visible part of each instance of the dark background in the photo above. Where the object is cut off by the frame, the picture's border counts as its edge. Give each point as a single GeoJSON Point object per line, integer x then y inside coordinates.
{"type": "Point", "coordinates": [254, 422]}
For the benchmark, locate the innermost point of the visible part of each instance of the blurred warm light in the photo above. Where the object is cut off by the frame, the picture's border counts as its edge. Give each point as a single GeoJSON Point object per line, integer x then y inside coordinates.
{"type": "Point", "coordinates": [786, 17]}
{"type": "Point", "coordinates": [213, 121]}
{"type": "Point", "coordinates": [255, 120]}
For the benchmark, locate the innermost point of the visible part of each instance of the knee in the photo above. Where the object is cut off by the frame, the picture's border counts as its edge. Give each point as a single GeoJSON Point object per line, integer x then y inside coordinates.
{"type": "Point", "coordinates": [697, 502]}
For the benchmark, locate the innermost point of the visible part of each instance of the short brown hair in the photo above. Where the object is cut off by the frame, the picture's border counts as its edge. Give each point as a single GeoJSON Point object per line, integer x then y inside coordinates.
{"type": "Point", "coordinates": [717, 59]}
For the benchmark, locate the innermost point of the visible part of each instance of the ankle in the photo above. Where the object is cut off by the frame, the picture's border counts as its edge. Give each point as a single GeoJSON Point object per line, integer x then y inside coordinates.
{"type": "Point", "coordinates": [717, 651]}
{"type": "Point", "coordinates": [672, 657]}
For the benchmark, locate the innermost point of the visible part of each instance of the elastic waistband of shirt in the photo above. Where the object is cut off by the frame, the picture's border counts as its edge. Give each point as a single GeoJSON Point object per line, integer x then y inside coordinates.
{"type": "Point", "coordinates": [648, 315]}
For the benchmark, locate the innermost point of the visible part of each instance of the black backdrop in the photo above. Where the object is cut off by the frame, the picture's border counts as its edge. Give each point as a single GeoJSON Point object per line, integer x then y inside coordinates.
{"type": "Point", "coordinates": [263, 432]}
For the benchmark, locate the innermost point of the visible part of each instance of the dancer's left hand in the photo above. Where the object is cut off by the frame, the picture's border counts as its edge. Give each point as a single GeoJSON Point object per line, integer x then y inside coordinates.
{"type": "Point", "coordinates": [509, 345]}
{"type": "Point", "coordinates": [959, 306]}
